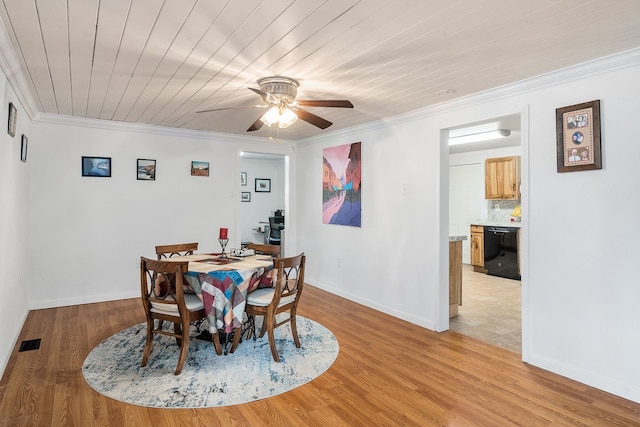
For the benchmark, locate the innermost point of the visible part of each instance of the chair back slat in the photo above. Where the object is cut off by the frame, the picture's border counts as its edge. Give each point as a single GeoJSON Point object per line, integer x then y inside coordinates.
{"type": "Point", "coordinates": [180, 249]}
{"type": "Point", "coordinates": [273, 250]}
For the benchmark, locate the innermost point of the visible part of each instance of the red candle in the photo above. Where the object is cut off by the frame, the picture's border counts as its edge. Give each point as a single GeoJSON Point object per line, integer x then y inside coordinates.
{"type": "Point", "coordinates": [224, 233]}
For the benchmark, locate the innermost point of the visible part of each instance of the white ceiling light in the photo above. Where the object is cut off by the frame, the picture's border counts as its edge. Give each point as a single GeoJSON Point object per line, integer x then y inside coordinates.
{"type": "Point", "coordinates": [271, 116]}
{"type": "Point", "coordinates": [282, 115]}
{"type": "Point", "coordinates": [465, 136]}
{"type": "Point", "coordinates": [287, 118]}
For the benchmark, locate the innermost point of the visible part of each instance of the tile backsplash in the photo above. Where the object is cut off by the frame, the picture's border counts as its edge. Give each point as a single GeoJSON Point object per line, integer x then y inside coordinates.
{"type": "Point", "coordinates": [500, 210]}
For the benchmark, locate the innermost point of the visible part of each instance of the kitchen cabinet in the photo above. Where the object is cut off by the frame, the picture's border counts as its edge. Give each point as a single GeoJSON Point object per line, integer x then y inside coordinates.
{"type": "Point", "coordinates": [477, 248]}
{"type": "Point", "coordinates": [455, 276]}
{"type": "Point", "coordinates": [502, 178]}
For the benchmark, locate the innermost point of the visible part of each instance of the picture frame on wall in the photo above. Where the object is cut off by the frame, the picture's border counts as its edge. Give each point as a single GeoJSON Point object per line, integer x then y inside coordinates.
{"type": "Point", "coordinates": [243, 179]}
{"type": "Point", "coordinates": [199, 168]}
{"type": "Point", "coordinates": [146, 170]}
{"type": "Point", "coordinates": [263, 185]}
{"type": "Point", "coordinates": [23, 148]}
{"type": "Point", "coordinates": [12, 120]}
{"type": "Point", "coordinates": [245, 196]}
{"type": "Point", "coordinates": [578, 137]}
{"type": "Point", "coordinates": [96, 166]}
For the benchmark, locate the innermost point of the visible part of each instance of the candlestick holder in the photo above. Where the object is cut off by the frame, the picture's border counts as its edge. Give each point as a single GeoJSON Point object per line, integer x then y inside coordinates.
{"type": "Point", "coordinates": [223, 245]}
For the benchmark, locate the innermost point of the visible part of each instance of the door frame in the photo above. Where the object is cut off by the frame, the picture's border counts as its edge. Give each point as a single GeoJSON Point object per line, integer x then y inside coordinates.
{"type": "Point", "coordinates": [442, 320]}
{"type": "Point", "coordinates": [280, 151]}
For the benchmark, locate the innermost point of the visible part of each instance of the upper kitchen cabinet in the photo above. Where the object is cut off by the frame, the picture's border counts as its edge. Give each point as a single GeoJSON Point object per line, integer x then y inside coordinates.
{"type": "Point", "coordinates": [502, 178]}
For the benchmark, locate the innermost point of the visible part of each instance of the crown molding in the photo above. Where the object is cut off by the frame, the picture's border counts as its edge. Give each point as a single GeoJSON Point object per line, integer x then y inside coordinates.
{"type": "Point", "coordinates": [10, 65]}
{"type": "Point", "coordinates": [112, 125]}
{"type": "Point", "coordinates": [602, 65]}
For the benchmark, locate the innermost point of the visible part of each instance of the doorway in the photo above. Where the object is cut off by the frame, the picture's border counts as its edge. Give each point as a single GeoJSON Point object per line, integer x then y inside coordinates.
{"type": "Point", "coordinates": [491, 309]}
{"type": "Point", "coordinates": [258, 204]}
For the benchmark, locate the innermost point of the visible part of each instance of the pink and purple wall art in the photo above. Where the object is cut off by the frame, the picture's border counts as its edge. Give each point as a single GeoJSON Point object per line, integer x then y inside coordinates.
{"type": "Point", "coordinates": [342, 185]}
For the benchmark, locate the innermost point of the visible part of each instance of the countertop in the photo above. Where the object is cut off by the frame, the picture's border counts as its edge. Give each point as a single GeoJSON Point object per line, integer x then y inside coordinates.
{"type": "Point", "coordinates": [457, 238]}
{"type": "Point", "coordinates": [497, 224]}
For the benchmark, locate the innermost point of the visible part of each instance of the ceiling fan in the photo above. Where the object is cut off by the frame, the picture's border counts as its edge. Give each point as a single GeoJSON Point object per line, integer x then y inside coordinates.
{"type": "Point", "coordinates": [279, 93]}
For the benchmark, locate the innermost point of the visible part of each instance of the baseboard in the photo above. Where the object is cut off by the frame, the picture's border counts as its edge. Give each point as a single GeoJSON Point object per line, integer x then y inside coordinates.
{"type": "Point", "coordinates": [6, 357]}
{"type": "Point", "coordinates": [625, 390]}
{"type": "Point", "coordinates": [425, 323]}
{"type": "Point", "coordinates": [35, 305]}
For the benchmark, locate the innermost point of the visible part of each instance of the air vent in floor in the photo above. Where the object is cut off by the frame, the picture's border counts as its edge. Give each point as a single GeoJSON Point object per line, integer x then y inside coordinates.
{"type": "Point", "coordinates": [30, 345]}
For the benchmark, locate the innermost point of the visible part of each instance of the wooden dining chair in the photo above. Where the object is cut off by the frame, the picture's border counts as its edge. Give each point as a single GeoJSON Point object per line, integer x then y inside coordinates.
{"type": "Point", "coordinates": [167, 251]}
{"type": "Point", "coordinates": [273, 250]}
{"type": "Point", "coordinates": [283, 297]}
{"type": "Point", "coordinates": [163, 298]}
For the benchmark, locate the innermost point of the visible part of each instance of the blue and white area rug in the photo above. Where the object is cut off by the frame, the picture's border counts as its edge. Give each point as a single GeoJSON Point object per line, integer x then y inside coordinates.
{"type": "Point", "coordinates": [207, 380]}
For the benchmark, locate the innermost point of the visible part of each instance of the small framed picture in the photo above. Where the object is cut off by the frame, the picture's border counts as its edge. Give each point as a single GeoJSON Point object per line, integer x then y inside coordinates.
{"type": "Point", "coordinates": [13, 118]}
{"type": "Point", "coordinates": [199, 168]}
{"type": "Point", "coordinates": [243, 178]}
{"type": "Point", "coordinates": [96, 166]}
{"type": "Point", "coordinates": [146, 170]}
{"type": "Point", "coordinates": [23, 148]}
{"type": "Point", "coordinates": [263, 185]}
{"type": "Point", "coordinates": [245, 196]}
{"type": "Point", "coordinates": [578, 137]}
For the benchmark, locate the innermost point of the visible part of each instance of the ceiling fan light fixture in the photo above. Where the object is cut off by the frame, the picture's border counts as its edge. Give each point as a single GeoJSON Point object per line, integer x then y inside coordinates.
{"type": "Point", "coordinates": [284, 88]}
{"type": "Point", "coordinates": [283, 116]}
{"type": "Point", "coordinates": [279, 96]}
{"type": "Point", "coordinates": [270, 117]}
{"type": "Point", "coordinates": [287, 118]}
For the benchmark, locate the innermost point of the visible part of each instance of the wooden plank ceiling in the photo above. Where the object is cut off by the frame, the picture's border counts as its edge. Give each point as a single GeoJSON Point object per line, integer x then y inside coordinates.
{"type": "Point", "coordinates": [159, 61]}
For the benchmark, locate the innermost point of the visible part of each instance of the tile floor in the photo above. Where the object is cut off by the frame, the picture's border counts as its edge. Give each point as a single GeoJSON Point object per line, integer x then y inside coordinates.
{"type": "Point", "coordinates": [490, 310]}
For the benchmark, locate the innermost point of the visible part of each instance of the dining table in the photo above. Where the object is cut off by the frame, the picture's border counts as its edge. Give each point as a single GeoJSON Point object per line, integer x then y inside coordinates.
{"type": "Point", "coordinates": [223, 283]}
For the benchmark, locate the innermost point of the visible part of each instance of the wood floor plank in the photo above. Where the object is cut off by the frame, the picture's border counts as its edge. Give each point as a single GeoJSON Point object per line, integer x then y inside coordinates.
{"type": "Point", "coordinates": [388, 372]}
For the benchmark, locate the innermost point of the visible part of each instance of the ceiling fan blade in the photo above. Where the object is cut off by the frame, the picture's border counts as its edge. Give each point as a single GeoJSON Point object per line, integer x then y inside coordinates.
{"type": "Point", "coordinates": [312, 118]}
{"type": "Point", "coordinates": [339, 103]}
{"type": "Point", "coordinates": [266, 96]}
{"type": "Point", "coordinates": [232, 108]}
{"type": "Point", "coordinates": [256, 125]}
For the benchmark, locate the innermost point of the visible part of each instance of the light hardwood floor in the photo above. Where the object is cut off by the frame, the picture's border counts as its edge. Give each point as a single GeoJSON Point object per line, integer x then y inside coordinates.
{"type": "Point", "coordinates": [491, 310]}
{"type": "Point", "coordinates": [388, 373]}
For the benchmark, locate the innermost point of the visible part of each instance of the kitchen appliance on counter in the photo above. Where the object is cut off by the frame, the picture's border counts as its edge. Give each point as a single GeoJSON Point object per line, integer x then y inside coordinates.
{"type": "Point", "coordinates": [501, 251]}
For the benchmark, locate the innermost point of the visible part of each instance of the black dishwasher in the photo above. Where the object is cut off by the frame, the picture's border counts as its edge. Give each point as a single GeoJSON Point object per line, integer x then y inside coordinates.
{"type": "Point", "coordinates": [501, 252]}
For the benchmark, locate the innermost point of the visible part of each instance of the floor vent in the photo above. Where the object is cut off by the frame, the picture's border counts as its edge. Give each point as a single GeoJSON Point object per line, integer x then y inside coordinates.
{"type": "Point", "coordinates": [30, 345]}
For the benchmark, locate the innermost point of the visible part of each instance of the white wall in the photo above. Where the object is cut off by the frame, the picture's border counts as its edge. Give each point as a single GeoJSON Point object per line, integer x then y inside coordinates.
{"type": "Point", "coordinates": [583, 290]}
{"type": "Point", "coordinates": [580, 291]}
{"type": "Point", "coordinates": [88, 233]}
{"type": "Point", "coordinates": [14, 227]}
{"type": "Point", "coordinates": [391, 262]}
{"type": "Point", "coordinates": [262, 205]}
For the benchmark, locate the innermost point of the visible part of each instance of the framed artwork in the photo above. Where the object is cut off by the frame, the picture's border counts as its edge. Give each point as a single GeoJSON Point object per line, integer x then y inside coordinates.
{"type": "Point", "coordinates": [245, 196]}
{"type": "Point", "coordinates": [578, 137]}
{"type": "Point", "coordinates": [341, 185]}
{"type": "Point", "coordinates": [13, 118]}
{"type": "Point", "coordinates": [243, 178]}
{"type": "Point", "coordinates": [96, 166]}
{"type": "Point", "coordinates": [23, 148]}
{"type": "Point", "coordinates": [199, 168]}
{"type": "Point", "coordinates": [263, 185]}
{"type": "Point", "coordinates": [146, 170]}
